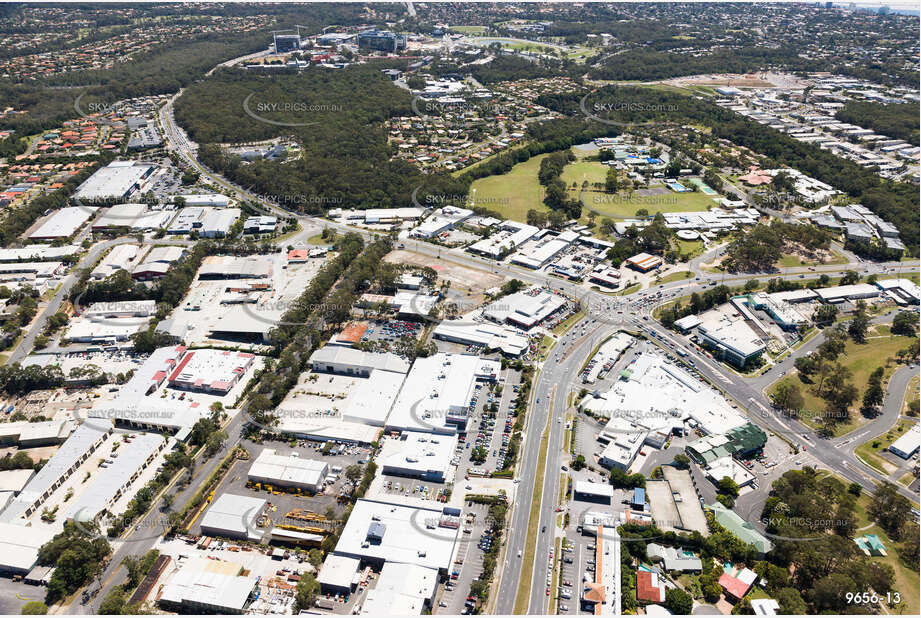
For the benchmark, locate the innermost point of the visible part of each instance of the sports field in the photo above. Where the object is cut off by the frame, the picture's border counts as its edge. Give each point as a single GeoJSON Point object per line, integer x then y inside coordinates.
{"type": "Point", "coordinates": [512, 194]}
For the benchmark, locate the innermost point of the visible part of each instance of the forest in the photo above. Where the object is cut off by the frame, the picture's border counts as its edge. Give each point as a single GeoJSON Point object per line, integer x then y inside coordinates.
{"type": "Point", "coordinates": [345, 159]}
{"type": "Point", "coordinates": [898, 121]}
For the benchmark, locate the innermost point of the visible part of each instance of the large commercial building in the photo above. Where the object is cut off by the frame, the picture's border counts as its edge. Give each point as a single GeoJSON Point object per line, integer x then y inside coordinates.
{"type": "Point", "coordinates": [118, 181]}
{"type": "Point", "coordinates": [484, 334]}
{"type": "Point", "coordinates": [112, 481]}
{"type": "Point", "coordinates": [902, 291]}
{"type": "Point", "coordinates": [525, 309]}
{"type": "Point", "coordinates": [217, 223]}
{"type": "Point", "coordinates": [381, 532]}
{"type": "Point", "coordinates": [438, 391]}
{"type": "Point", "coordinates": [210, 371]}
{"type": "Point", "coordinates": [401, 590]}
{"type": "Point", "coordinates": [81, 444]}
{"type": "Point", "coordinates": [203, 586]}
{"type": "Point", "coordinates": [134, 217]}
{"type": "Point", "coordinates": [381, 40]}
{"type": "Point", "coordinates": [288, 471]}
{"type": "Point", "coordinates": [653, 399]}
{"type": "Point", "coordinates": [730, 337]}
{"type": "Point", "coordinates": [419, 455]}
{"type": "Point", "coordinates": [234, 517]}
{"type": "Point", "coordinates": [63, 223]}
{"type": "Point", "coordinates": [157, 262]}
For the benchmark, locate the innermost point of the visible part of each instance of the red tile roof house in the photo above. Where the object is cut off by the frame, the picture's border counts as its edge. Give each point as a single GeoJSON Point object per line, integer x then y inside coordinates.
{"type": "Point", "coordinates": [649, 587]}
{"type": "Point", "coordinates": [734, 587]}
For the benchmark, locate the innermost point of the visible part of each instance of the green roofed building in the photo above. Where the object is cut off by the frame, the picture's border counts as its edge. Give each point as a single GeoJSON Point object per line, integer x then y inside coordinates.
{"type": "Point", "coordinates": [871, 545]}
{"type": "Point", "coordinates": [740, 528]}
{"type": "Point", "coordinates": [741, 441]}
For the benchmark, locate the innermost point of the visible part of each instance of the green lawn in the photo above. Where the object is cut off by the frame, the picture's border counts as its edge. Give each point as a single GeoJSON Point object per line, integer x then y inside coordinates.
{"type": "Point", "coordinates": [789, 260]}
{"type": "Point", "coordinates": [580, 171]}
{"type": "Point", "coordinates": [512, 194]}
{"type": "Point", "coordinates": [468, 29]}
{"type": "Point", "coordinates": [911, 393]}
{"type": "Point", "coordinates": [862, 360]}
{"type": "Point", "coordinates": [678, 276]}
{"type": "Point", "coordinates": [622, 205]}
{"type": "Point", "coordinates": [690, 248]}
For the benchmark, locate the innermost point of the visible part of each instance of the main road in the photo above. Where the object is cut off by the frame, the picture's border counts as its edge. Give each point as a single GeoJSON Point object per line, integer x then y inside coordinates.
{"type": "Point", "coordinates": [553, 383]}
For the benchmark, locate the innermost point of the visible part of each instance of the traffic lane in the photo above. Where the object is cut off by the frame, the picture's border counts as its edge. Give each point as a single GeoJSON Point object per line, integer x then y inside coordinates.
{"type": "Point", "coordinates": [560, 378]}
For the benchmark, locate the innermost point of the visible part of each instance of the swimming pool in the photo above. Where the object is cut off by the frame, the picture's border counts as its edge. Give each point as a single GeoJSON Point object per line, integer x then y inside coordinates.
{"type": "Point", "coordinates": [676, 186]}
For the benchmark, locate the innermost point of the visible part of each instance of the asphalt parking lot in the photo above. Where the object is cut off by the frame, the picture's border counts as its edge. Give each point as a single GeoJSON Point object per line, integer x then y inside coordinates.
{"type": "Point", "coordinates": [487, 429]}
{"type": "Point", "coordinates": [453, 594]}
{"type": "Point", "coordinates": [13, 595]}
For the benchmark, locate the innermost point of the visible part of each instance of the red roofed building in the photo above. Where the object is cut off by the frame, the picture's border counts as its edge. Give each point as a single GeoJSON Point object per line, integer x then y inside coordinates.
{"type": "Point", "coordinates": [649, 588]}
{"type": "Point", "coordinates": [734, 587]}
{"type": "Point", "coordinates": [210, 371]}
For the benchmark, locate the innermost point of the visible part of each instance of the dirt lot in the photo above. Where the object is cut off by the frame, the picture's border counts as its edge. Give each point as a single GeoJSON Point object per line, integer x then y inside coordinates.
{"type": "Point", "coordinates": [462, 278]}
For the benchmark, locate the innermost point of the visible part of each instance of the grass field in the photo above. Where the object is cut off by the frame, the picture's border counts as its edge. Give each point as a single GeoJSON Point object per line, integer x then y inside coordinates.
{"type": "Point", "coordinates": [679, 276]}
{"type": "Point", "coordinates": [468, 29]}
{"type": "Point", "coordinates": [862, 360]}
{"type": "Point", "coordinates": [512, 194]}
{"type": "Point", "coordinates": [911, 393]}
{"type": "Point", "coordinates": [790, 260]}
{"type": "Point", "coordinates": [579, 171]}
{"type": "Point", "coordinates": [624, 206]}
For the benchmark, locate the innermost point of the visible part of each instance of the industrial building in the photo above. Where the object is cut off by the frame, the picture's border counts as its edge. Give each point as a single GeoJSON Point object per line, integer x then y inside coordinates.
{"type": "Point", "coordinates": [157, 262]}
{"type": "Point", "coordinates": [339, 574]}
{"type": "Point", "coordinates": [441, 221]}
{"type": "Point", "coordinates": [484, 334]}
{"type": "Point", "coordinates": [217, 223]}
{"type": "Point", "coordinates": [262, 224]}
{"type": "Point", "coordinates": [288, 471]}
{"type": "Point", "coordinates": [204, 586]}
{"type": "Point", "coordinates": [841, 293]}
{"type": "Point", "coordinates": [37, 252]}
{"type": "Point", "coordinates": [401, 590]}
{"type": "Point", "coordinates": [110, 483]}
{"type": "Point", "coordinates": [118, 181]}
{"type": "Point", "coordinates": [135, 217]}
{"type": "Point", "coordinates": [20, 546]}
{"type": "Point", "coordinates": [509, 236]}
{"type": "Point", "coordinates": [119, 258]}
{"type": "Point", "coordinates": [907, 444]}
{"type": "Point", "coordinates": [902, 291]}
{"type": "Point", "coordinates": [25, 434]}
{"type": "Point", "coordinates": [214, 200]}
{"type": "Point", "coordinates": [63, 223]}
{"type": "Point", "coordinates": [437, 393]}
{"type": "Point", "coordinates": [424, 456]}
{"type": "Point", "coordinates": [349, 361]}
{"type": "Point", "coordinates": [210, 371]}
{"type": "Point", "coordinates": [235, 267]}
{"type": "Point", "coordinates": [525, 309]}
{"type": "Point", "coordinates": [588, 491]}
{"type": "Point", "coordinates": [380, 532]}
{"type": "Point", "coordinates": [81, 444]}
{"type": "Point", "coordinates": [235, 517]}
